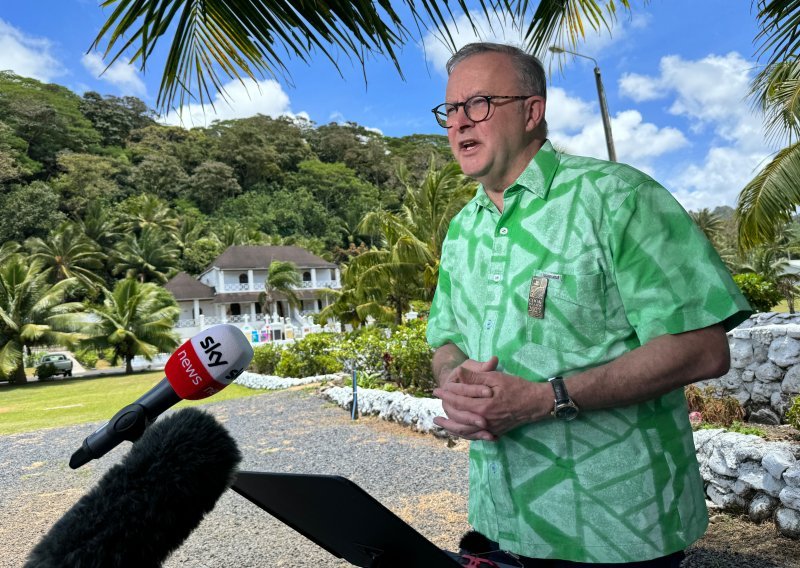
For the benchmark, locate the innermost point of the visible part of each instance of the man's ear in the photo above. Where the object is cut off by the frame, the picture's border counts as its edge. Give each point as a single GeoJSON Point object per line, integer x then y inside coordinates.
{"type": "Point", "coordinates": [535, 110]}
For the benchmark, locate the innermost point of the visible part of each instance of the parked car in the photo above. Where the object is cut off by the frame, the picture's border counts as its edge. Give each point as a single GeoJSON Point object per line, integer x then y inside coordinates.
{"type": "Point", "coordinates": [61, 363]}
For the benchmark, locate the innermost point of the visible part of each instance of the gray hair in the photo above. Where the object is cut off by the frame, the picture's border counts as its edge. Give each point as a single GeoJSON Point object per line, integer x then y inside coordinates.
{"type": "Point", "coordinates": [530, 71]}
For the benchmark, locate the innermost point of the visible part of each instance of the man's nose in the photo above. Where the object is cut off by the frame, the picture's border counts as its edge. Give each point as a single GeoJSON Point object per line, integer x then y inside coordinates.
{"type": "Point", "coordinates": [459, 118]}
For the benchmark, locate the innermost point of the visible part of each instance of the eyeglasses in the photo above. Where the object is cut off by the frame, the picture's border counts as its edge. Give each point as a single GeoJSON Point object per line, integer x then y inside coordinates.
{"type": "Point", "coordinates": [476, 108]}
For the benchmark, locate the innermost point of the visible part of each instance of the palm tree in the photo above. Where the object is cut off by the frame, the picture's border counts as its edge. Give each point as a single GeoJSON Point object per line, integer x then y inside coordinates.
{"type": "Point", "coordinates": [135, 319]}
{"type": "Point", "coordinates": [406, 266]}
{"type": "Point", "coordinates": [32, 312]}
{"type": "Point", "coordinates": [69, 253]}
{"type": "Point", "coordinates": [7, 250]}
{"type": "Point", "coordinates": [150, 257]}
{"type": "Point", "coordinates": [148, 211]}
{"type": "Point", "coordinates": [245, 38]}
{"type": "Point", "coordinates": [282, 278]}
{"type": "Point", "coordinates": [98, 225]}
{"type": "Point", "coordinates": [770, 199]}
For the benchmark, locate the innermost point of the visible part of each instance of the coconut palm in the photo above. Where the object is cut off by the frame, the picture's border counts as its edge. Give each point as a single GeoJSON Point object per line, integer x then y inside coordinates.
{"type": "Point", "coordinates": [135, 319]}
{"type": "Point", "coordinates": [69, 253]}
{"type": "Point", "coordinates": [282, 280]}
{"type": "Point", "coordinates": [148, 211]}
{"type": "Point", "coordinates": [770, 199]}
{"type": "Point", "coordinates": [32, 312]}
{"type": "Point", "coordinates": [246, 38]}
{"type": "Point", "coordinates": [149, 257]}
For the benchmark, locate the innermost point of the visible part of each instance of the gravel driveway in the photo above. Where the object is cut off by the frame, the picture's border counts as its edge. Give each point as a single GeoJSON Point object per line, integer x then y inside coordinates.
{"type": "Point", "coordinates": [287, 431]}
{"type": "Point", "coordinates": [415, 475]}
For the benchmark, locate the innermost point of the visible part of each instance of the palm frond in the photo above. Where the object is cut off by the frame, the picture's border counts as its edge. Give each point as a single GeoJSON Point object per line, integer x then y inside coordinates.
{"type": "Point", "coordinates": [770, 199]}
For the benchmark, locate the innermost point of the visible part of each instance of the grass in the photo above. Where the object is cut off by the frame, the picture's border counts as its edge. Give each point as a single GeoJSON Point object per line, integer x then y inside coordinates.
{"type": "Point", "coordinates": [34, 406]}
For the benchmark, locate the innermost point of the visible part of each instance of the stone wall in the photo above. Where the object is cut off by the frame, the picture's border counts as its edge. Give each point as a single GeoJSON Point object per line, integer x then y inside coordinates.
{"type": "Point", "coordinates": [765, 366]}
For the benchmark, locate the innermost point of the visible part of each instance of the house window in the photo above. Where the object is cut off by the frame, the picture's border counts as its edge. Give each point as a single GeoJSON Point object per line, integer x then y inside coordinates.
{"type": "Point", "coordinates": [319, 305]}
{"type": "Point", "coordinates": [258, 307]}
{"type": "Point", "coordinates": [306, 276]}
{"type": "Point", "coordinates": [243, 279]}
{"type": "Point", "coordinates": [236, 310]}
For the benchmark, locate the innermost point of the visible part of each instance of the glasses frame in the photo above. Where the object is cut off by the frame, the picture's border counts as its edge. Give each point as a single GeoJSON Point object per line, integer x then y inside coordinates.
{"type": "Point", "coordinates": [440, 111]}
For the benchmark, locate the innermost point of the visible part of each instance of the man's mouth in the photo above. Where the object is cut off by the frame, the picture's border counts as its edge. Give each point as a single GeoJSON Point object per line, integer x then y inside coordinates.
{"type": "Point", "coordinates": [467, 144]}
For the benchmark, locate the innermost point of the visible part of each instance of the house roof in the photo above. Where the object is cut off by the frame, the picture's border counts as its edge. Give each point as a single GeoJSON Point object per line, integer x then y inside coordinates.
{"type": "Point", "coordinates": [186, 287]}
{"type": "Point", "coordinates": [260, 257]}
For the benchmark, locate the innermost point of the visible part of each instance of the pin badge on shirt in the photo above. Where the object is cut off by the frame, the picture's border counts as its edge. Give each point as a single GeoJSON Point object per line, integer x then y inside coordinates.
{"type": "Point", "coordinates": [536, 297]}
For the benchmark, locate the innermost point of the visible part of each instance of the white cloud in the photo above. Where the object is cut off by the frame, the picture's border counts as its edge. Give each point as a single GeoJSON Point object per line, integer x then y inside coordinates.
{"type": "Point", "coordinates": [27, 56]}
{"type": "Point", "coordinates": [121, 74]}
{"type": "Point", "coordinates": [576, 126]}
{"type": "Point", "coordinates": [263, 97]}
{"type": "Point", "coordinates": [500, 29]}
{"type": "Point", "coordinates": [711, 94]}
{"type": "Point", "coordinates": [718, 179]}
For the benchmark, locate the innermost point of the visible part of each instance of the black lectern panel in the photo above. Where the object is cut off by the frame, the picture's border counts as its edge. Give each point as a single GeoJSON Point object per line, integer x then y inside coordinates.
{"type": "Point", "coordinates": [342, 518]}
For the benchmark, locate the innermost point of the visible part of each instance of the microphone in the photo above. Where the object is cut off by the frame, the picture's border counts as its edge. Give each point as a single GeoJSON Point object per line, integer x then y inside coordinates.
{"type": "Point", "coordinates": [199, 368]}
{"type": "Point", "coordinates": [144, 507]}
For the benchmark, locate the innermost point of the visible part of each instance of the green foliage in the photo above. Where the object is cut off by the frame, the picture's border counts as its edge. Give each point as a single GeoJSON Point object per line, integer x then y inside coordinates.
{"type": "Point", "coordinates": [135, 319]}
{"type": "Point", "coordinates": [35, 212]}
{"type": "Point", "coordinates": [736, 426]}
{"type": "Point", "coordinates": [364, 350]}
{"type": "Point", "coordinates": [761, 293]}
{"type": "Point", "coordinates": [46, 372]}
{"type": "Point", "coordinates": [793, 414]}
{"type": "Point", "coordinates": [87, 356]}
{"type": "Point", "coordinates": [266, 358]}
{"type": "Point", "coordinates": [410, 358]}
{"type": "Point", "coordinates": [312, 355]}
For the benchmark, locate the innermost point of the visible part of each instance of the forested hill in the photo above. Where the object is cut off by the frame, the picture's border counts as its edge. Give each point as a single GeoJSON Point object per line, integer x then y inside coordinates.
{"type": "Point", "coordinates": [103, 166]}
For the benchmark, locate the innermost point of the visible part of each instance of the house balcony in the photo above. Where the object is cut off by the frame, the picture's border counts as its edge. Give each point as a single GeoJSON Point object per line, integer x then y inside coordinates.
{"type": "Point", "coordinates": [245, 287]}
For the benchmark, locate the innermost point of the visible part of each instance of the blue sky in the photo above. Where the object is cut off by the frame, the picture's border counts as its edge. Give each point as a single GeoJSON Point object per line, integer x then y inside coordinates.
{"type": "Point", "coordinates": [676, 75]}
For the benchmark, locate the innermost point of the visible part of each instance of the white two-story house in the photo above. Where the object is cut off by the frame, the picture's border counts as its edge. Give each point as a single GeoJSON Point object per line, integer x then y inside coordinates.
{"type": "Point", "coordinates": [228, 290]}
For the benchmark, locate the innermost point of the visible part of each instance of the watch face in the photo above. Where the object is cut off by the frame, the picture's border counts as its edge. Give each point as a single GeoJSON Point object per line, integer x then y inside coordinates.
{"type": "Point", "coordinates": [566, 412]}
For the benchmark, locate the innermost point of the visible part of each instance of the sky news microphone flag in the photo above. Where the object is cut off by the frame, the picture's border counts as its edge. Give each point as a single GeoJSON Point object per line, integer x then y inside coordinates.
{"type": "Point", "coordinates": [144, 507]}
{"type": "Point", "coordinates": [201, 367]}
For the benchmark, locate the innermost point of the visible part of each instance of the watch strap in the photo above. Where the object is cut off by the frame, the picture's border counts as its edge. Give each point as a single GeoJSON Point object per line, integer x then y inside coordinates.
{"type": "Point", "coordinates": [560, 390]}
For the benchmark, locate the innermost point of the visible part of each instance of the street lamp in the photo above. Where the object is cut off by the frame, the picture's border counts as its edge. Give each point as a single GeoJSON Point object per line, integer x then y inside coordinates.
{"type": "Point", "coordinates": [601, 94]}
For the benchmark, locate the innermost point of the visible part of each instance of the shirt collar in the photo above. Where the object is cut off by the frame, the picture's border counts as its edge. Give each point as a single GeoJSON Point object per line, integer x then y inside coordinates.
{"type": "Point", "coordinates": [536, 177]}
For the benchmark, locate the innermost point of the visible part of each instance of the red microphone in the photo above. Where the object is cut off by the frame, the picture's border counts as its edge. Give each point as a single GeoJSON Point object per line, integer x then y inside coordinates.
{"type": "Point", "coordinates": [199, 368]}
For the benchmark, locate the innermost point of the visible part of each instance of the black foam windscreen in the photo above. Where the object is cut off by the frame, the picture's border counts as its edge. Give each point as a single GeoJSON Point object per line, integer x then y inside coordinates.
{"type": "Point", "coordinates": [145, 507]}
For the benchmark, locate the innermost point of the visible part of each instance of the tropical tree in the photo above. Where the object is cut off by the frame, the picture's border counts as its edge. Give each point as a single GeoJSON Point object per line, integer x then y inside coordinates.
{"type": "Point", "coordinates": [149, 257]}
{"type": "Point", "coordinates": [770, 199]}
{"type": "Point", "coordinates": [145, 210]}
{"type": "Point", "coordinates": [69, 253]}
{"type": "Point", "coordinates": [135, 319]}
{"type": "Point", "coordinates": [406, 266]}
{"type": "Point", "coordinates": [245, 38]}
{"type": "Point", "coordinates": [32, 312]}
{"type": "Point", "coordinates": [282, 279]}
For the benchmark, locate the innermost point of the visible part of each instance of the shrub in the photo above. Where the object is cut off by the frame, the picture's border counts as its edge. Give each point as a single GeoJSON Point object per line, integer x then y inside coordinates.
{"type": "Point", "coordinates": [793, 415]}
{"type": "Point", "coordinates": [761, 293]}
{"type": "Point", "coordinates": [87, 357]}
{"type": "Point", "coordinates": [714, 408]}
{"type": "Point", "coordinates": [46, 372]}
{"type": "Point", "coordinates": [312, 355]}
{"type": "Point", "coordinates": [410, 357]}
{"type": "Point", "coordinates": [737, 426]}
{"type": "Point", "coordinates": [364, 349]}
{"type": "Point", "coordinates": [266, 359]}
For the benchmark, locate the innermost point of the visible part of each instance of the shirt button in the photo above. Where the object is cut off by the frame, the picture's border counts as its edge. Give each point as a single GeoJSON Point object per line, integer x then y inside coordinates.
{"type": "Point", "coordinates": [496, 278]}
{"type": "Point", "coordinates": [504, 231]}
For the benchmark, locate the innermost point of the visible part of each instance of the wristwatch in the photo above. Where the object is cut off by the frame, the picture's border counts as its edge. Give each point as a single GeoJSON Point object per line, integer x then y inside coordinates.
{"type": "Point", "coordinates": [564, 408]}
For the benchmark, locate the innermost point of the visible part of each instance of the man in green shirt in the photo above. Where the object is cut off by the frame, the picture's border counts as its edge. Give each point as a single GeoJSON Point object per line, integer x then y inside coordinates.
{"type": "Point", "coordinates": [563, 266]}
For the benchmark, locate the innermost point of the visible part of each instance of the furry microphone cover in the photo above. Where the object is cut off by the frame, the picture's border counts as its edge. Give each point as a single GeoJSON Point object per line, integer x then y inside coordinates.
{"type": "Point", "coordinates": [144, 507]}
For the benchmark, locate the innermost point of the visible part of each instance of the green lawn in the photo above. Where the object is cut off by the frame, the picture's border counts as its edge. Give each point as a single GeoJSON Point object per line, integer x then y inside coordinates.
{"type": "Point", "coordinates": [75, 401]}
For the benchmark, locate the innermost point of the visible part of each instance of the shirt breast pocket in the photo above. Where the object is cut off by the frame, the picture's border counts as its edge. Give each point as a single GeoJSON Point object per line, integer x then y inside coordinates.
{"type": "Point", "coordinates": [573, 315]}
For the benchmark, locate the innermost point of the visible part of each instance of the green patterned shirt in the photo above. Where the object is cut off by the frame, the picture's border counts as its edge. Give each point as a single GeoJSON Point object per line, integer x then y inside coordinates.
{"type": "Point", "coordinates": [624, 264]}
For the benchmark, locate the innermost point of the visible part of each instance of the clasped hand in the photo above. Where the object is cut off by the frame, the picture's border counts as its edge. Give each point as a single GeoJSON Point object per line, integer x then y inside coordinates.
{"type": "Point", "coordinates": [482, 403]}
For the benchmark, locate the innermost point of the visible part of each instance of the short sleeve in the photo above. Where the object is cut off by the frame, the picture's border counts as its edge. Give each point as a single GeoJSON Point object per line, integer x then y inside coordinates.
{"type": "Point", "coordinates": [669, 276]}
{"type": "Point", "coordinates": [442, 325]}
